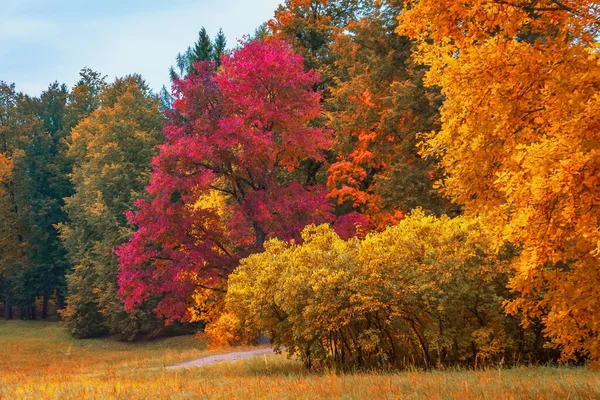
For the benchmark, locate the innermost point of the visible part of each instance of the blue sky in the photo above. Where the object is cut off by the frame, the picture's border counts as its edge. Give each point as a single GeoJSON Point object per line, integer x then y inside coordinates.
{"type": "Point", "coordinates": [46, 40]}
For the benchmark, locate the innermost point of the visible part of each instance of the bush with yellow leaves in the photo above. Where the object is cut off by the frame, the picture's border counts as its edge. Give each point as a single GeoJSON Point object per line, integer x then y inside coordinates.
{"type": "Point", "coordinates": [427, 292]}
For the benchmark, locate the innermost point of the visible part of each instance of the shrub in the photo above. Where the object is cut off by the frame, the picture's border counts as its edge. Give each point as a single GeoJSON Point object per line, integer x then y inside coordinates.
{"type": "Point", "coordinates": [427, 292]}
{"type": "Point", "coordinates": [225, 332]}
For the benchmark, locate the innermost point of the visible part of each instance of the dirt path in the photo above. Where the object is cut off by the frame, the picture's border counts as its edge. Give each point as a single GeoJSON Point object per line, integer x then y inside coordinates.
{"type": "Point", "coordinates": [238, 355]}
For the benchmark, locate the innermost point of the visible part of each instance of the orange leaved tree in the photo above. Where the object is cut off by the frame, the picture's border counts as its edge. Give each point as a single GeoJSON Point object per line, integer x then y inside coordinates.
{"type": "Point", "coordinates": [520, 143]}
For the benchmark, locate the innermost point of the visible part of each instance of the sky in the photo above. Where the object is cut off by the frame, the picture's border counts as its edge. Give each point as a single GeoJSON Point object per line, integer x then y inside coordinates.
{"type": "Point", "coordinates": [42, 41]}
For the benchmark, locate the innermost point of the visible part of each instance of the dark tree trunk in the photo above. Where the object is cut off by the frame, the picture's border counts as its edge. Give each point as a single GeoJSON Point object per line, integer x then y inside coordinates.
{"type": "Point", "coordinates": [60, 300]}
{"type": "Point", "coordinates": [261, 236]}
{"type": "Point", "coordinates": [32, 312]}
{"type": "Point", "coordinates": [44, 307]}
{"type": "Point", "coordinates": [8, 314]}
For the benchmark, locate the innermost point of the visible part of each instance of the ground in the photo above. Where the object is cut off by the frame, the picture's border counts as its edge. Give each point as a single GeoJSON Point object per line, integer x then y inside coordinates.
{"type": "Point", "coordinates": [39, 361]}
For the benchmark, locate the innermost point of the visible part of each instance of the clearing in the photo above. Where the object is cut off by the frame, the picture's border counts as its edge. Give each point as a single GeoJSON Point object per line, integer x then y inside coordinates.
{"type": "Point", "coordinates": [40, 361]}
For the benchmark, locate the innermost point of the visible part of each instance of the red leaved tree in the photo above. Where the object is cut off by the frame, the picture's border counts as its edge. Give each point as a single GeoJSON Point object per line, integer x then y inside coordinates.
{"type": "Point", "coordinates": [227, 177]}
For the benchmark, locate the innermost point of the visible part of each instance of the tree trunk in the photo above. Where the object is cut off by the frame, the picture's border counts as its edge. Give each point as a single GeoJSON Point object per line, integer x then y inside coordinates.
{"type": "Point", "coordinates": [60, 300]}
{"type": "Point", "coordinates": [260, 235]}
{"type": "Point", "coordinates": [32, 312]}
{"type": "Point", "coordinates": [8, 314]}
{"type": "Point", "coordinates": [44, 306]}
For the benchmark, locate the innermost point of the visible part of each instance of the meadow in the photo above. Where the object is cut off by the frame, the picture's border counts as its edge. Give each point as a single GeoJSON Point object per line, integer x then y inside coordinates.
{"type": "Point", "coordinates": [40, 361]}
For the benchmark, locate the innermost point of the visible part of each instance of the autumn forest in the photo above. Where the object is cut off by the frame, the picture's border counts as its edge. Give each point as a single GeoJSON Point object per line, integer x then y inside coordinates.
{"type": "Point", "coordinates": [369, 184]}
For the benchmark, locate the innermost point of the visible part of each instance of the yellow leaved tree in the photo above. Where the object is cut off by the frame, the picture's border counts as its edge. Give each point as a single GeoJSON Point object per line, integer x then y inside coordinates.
{"type": "Point", "coordinates": [520, 143]}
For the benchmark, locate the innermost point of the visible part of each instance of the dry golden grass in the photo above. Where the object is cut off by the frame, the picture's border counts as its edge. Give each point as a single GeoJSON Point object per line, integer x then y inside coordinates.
{"type": "Point", "coordinates": [39, 361]}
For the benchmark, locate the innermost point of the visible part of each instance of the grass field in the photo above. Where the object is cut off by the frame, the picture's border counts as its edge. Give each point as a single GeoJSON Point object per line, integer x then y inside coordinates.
{"type": "Point", "coordinates": [39, 361]}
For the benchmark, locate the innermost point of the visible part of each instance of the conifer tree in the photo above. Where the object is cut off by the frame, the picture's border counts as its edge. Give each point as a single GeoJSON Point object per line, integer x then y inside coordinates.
{"type": "Point", "coordinates": [219, 47]}
{"type": "Point", "coordinates": [203, 48]}
{"type": "Point", "coordinates": [34, 177]}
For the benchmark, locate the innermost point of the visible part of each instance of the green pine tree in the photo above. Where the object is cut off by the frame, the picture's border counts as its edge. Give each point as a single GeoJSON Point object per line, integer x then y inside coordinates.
{"type": "Point", "coordinates": [219, 46]}
{"type": "Point", "coordinates": [203, 49]}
